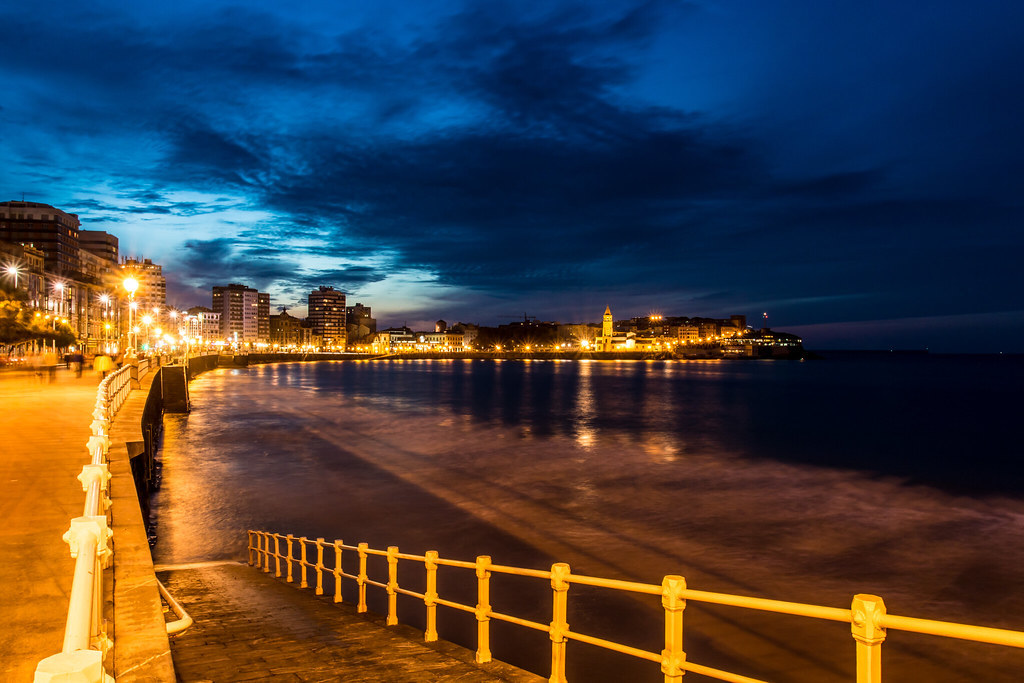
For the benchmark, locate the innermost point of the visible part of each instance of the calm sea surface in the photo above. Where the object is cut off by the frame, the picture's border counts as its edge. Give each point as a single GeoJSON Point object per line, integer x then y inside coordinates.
{"type": "Point", "coordinates": [898, 475]}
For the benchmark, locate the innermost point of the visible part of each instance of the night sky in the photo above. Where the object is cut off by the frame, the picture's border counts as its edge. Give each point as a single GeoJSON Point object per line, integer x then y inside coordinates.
{"type": "Point", "coordinates": [854, 169]}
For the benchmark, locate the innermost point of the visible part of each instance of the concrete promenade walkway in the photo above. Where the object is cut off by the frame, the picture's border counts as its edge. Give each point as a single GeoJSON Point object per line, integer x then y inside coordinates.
{"type": "Point", "coordinates": [250, 626]}
{"type": "Point", "coordinates": [44, 427]}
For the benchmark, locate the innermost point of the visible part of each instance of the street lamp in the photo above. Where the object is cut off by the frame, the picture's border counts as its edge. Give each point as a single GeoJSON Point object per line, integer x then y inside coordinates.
{"type": "Point", "coordinates": [147, 320]}
{"type": "Point", "coordinates": [59, 286]}
{"type": "Point", "coordinates": [13, 271]}
{"type": "Point", "coordinates": [130, 285]}
{"type": "Point", "coordinates": [105, 300]}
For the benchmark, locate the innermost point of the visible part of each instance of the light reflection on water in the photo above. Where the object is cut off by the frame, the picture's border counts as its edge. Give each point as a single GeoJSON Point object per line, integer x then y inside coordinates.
{"type": "Point", "coordinates": [745, 477]}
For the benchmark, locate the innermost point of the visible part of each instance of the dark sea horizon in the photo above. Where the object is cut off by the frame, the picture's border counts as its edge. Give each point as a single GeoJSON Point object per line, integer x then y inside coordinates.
{"type": "Point", "coordinates": [898, 474]}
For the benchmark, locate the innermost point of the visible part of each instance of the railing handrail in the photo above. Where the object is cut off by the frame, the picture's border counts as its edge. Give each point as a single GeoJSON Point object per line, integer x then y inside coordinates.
{"type": "Point", "coordinates": [866, 616]}
{"type": "Point", "coordinates": [85, 639]}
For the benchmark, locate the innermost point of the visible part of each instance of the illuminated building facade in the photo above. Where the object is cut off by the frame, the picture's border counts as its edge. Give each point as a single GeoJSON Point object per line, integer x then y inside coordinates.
{"type": "Point", "coordinates": [326, 316]}
{"type": "Point", "coordinates": [152, 292]}
{"type": "Point", "coordinates": [238, 307]}
{"type": "Point", "coordinates": [48, 229]}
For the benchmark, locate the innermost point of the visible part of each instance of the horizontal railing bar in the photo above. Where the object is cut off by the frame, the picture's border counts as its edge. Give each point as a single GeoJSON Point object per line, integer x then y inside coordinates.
{"type": "Point", "coordinates": [765, 605]}
{"type": "Point", "coordinates": [354, 577]}
{"type": "Point", "coordinates": [456, 563]}
{"type": "Point", "coordinates": [632, 586]}
{"type": "Point", "coordinates": [613, 646]}
{"type": "Point", "coordinates": [982, 634]}
{"type": "Point", "coordinates": [719, 674]}
{"type": "Point", "coordinates": [407, 556]}
{"type": "Point", "coordinates": [519, 571]}
{"type": "Point", "coordinates": [456, 605]}
{"type": "Point", "coordinates": [371, 582]}
{"type": "Point", "coordinates": [379, 553]}
{"type": "Point", "coordinates": [522, 622]}
{"type": "Point", "coordinates": [76, 630]}
{"type": "Point", "coordinates": [405, 591]}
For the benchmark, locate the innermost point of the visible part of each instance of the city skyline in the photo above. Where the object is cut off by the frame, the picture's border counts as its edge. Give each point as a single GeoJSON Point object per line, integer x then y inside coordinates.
{"type": "Point", "coordinates": [851, 169]}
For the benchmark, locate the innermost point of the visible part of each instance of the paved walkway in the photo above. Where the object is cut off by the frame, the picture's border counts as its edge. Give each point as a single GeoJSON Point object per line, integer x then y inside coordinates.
{"type": "Point", "coordinates": [250, 626]}
{"type": "Point", "coordinates": [44, 427]}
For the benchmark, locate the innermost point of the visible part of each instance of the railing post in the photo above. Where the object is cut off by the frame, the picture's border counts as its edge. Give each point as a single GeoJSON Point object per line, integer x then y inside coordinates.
{"type": "Point", "coordinates": [430, 596]}
{"type": "Point", "coordinates": [319, 566]}
{"type": "Point", "coordinates": [392, 585]}
{"type": "Point", "coordinates": [559, 624]}
{"type": "Point", "coordinates": [248, 535]}
{"type": "Point", "coordinates": [337, 569]}
{"type": "Point", "coordinates": [302, 562]}
{"type": "Point", "coordinates": [277, 555]}
{"type": "Point", "coordinates": [673, 657]}
{"type": "Point", "coordinates": [866, 624]}
{"type": "Point", "coordinates": [483, 609]}
{"type": "Point", "coordinates": [361, 607]}
{"type": "Point", "coordinates": [288, 561]}
{"type": "Point", "coordinates": [266, 552]}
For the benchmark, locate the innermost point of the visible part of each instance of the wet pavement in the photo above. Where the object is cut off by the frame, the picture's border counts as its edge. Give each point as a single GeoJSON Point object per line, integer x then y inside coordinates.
{"type": "Point", "coordinates": [44, 427]}
{"type": "Point", "coordinates": [250, 626]}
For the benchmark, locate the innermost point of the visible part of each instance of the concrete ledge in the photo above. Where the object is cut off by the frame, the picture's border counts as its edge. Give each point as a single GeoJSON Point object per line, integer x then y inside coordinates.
{"type": "Point", "coordinates": [142, 651]}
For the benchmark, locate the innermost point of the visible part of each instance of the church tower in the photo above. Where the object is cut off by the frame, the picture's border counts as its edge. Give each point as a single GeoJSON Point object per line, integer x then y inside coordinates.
{"type": "Point", "coordinates": [607, 329]}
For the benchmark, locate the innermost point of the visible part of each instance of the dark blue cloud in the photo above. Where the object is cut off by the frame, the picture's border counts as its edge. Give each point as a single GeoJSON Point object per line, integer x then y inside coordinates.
{"type": "Point", "coordinates": [832, 163]}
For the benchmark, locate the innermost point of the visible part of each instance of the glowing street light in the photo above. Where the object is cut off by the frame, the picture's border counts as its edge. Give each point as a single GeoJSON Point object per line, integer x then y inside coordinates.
{"type": "Point", "coordinates": [147, 320]}
{"type": "Point", "coordinates": [12, 271]}
{"type": "Point", "coordinates": [130, 285]}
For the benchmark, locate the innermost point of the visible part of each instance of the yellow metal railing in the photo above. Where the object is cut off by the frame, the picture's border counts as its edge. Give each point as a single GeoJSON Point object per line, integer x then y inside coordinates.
{"type": "Point", "coordinates": [867, 616]}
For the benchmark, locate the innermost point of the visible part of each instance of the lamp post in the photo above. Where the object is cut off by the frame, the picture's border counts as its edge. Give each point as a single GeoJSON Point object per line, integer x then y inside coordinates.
{"type": "Point", "coordinates": [59, 286]}
{"type": "Point", "coordinates": [147, 320]}
{"type": "Point", "coordinates": [130, 285]}
{"type": "Point", "coordinates": [12, 270]}
{"type": "Point", "coordinates": [105, 300]}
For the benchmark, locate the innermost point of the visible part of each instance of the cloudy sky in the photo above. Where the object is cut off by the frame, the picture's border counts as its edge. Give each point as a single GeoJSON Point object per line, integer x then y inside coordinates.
{"type": "Point", "coordinates": [854, 169]}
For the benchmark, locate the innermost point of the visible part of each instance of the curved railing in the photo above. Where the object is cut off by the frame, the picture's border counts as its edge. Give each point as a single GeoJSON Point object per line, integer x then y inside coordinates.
{"type": "Point", "coordinates": [85, 638]}
{"type": "Point", "coordinates": [867, 616]}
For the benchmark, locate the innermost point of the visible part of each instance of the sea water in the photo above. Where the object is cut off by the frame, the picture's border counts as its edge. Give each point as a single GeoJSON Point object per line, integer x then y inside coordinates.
{"type": "Point", "coordinates": [891, 474]}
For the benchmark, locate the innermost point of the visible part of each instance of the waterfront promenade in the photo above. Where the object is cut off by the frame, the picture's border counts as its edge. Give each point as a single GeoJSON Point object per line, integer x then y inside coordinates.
{"type": "Point", "coordinates": [248, 626]}
{"type": "Point", "coordinates": [45, 427]}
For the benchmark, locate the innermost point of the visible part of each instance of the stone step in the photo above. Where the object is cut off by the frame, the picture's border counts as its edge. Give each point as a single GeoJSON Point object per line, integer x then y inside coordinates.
{"type": "Point", "coordinates": [250, 626]}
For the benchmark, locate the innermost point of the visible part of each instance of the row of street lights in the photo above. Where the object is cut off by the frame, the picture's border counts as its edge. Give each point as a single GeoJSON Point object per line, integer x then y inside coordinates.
{"type": "Point", "coordinates": [136, 318]}
{"type": "Point", "coordinates": [130, 284]}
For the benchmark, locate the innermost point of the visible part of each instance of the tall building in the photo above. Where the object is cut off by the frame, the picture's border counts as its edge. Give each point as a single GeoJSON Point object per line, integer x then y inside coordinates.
{"type": "Point", "coordinates": [262, 317]}
{"type": "Point", "coordinates": [103, 244]}
{"type": "Point", "coordinates": [238, 307]}
{"type": "Point", "coordinates": [152, 292]}
{"type": "Point", "coordinates": [46, 228]}
{"type": "Point", "coordinates": [327, 316]}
